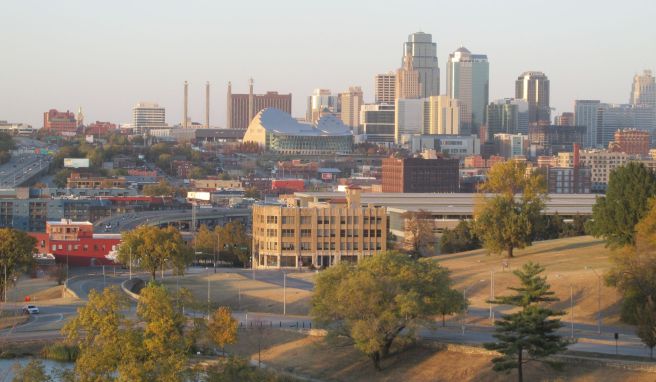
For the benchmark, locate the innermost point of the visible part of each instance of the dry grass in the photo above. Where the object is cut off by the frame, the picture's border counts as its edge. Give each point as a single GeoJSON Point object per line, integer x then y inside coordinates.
{"type": "Point", "coordinates": [565, 261]}
{"type": "Point", "coordinates": [315, 358]}
{"type": "Point", "coordinates": [241, 293]}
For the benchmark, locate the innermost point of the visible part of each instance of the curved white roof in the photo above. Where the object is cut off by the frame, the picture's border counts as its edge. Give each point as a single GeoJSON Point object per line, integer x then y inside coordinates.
{"type": "Point", "coordinates": [279, 122]}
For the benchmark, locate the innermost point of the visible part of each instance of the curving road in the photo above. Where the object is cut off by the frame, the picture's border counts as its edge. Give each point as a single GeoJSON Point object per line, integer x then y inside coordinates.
{"type": "Point", "coordinates": [124, 222]}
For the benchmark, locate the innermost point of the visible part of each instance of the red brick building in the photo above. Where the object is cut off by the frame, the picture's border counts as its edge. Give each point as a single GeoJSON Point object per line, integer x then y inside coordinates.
{"type": "Point", "coordinates": [100, 128]}
{"type": "Point", "coordinates": [60, 123]}
{"type": "Point", "coordinates": [75, 243]}
{"type": "Point", "coordinates": [630, 141]}
{"type": "Point", "coordinates": [420, 175]}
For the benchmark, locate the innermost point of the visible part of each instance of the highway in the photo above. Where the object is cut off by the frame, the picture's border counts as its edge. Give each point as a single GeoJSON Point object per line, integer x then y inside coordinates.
{"type": "Point", "coordinates": [125, 222]}
{"type": "Point", "coordinates": [22, 168]}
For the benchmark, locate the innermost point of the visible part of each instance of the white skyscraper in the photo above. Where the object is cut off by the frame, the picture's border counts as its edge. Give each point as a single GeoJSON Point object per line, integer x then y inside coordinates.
{"type": "Point", "coordinates": [643, 91]}
{"type": "Point", "coordinates": [468, 80]}
{"type": "Point", "coordinates": [146, 116]}
{"type": "Point", "coordinates": [385, 88]}
{"type": "Point", "coordinates": [410, 119]}
{"type": "Point", "coordinates": [423, 52]}
{"type": "Point", "coordinates": [585, 114]}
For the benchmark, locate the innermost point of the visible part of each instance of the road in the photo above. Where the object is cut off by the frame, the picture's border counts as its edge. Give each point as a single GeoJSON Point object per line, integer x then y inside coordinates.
{"type": "Point", "coordinates": [125, 222]}
{"type": "Point", "coordinates": [49, 322]}
{"type": "Point", "coordinates": [22, 168]}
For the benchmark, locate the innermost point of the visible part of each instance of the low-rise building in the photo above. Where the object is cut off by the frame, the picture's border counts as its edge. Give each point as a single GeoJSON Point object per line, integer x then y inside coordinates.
{"type": "Point", "coordinates": [79, 180]}
{"type": "Point", "coordinates": [299, 234]}
{"type": "Point", "coordinates": [631, 141]}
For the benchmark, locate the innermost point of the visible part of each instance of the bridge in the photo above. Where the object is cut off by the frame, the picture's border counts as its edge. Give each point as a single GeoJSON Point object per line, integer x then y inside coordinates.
{"type": "Point", "coordinates": [180, 218]}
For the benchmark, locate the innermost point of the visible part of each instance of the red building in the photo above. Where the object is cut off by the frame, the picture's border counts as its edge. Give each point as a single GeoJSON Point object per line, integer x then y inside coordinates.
{"type": "Point", "coordinates": [630, 141]}
{"type": "Point", "coordinates": [100, 128]}
{"type": "Point", "coordinates": [420, 175]}
{"type": "Point", "coordinates": [60, 123]}
{"type": "Point", "coordinates": [288, 185]}
{"type": "Point", "coordinates": [75, 243]}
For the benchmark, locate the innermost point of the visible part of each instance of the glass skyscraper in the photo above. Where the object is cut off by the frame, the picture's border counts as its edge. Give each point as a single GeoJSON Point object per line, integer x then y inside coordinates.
{"type": "Point", "coordinates": [468, 80]}
{"type": "Point", "coordinates": [423, 51]}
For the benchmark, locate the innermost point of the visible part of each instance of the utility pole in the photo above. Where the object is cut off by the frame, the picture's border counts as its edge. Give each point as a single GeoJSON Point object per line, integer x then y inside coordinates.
{"type": "Point", "coordinates": [208, 294]}
{"type": "Point", "coordinates": [284, 294]}
{"type": "Point", "coordinates": [129, 266]}
{"type": "Point", "coordinates": [571, 309]}
{"type": "Point", "coordinates": [491, 295]}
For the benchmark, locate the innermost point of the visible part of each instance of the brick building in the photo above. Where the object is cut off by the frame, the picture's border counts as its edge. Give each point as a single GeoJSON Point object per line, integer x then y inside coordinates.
{"type": "Point", "coordinates": [78, 180]}
{"type": "Point", "coordinates": [420, 175]}
{"type": "Point", "coordinates": [630, 141]}
{"type": "Point", "coordinates": [100, 128]}
{"type": "Point", "coordinates": [60, 122]}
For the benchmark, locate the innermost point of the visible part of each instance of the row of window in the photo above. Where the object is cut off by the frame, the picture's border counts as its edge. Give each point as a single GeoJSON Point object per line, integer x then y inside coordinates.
{"type": "Point", "coordinates": [305, 220]}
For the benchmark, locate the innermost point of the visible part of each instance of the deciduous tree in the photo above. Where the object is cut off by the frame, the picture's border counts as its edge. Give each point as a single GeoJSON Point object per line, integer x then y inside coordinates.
{"type": "Point", "coordinates": [646, 325]}
{"type": "Point", "coordinates": [33, 371]}
{"type": "Point", "coordinates": [154, 249]}
{"type": "Point", "coordinates": [531, 330]}
{"type": "Point", "coordinates": [419, 237]}
{"type": "Point", "coordinates": [379, 300]}
{"type": "Point", "coordinates": [16, 249]}
{"type": "Point", "coordinates": [615, 215]}
{"type": "Point", "coordinates": [505, 221]}
{"type": "Point", "coordinates": [222, 327]}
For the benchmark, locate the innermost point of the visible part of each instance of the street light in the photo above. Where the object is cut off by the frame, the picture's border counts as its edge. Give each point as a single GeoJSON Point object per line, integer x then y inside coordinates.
{"type": "Point", "coordinates": [284, 293]}
{"type": "Point", "coordinates": [208, 293]}
{"type": "Point", "coordinates": [598, 298]}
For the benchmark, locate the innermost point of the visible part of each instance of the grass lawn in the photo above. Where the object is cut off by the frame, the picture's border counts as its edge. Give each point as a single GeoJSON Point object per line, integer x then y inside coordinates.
{"type": "Point", "coordinates": [315, 358]}
{"type": "Point", "coordinates": [241, 293]}
{"type": "Point", "coordinates": [565, 261]}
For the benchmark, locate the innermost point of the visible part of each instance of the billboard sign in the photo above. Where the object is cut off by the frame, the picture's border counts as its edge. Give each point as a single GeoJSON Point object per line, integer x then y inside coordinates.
{"type": "Point", "coordinates": [76, 162]}
{"type": "Point", "coordinates": [195, 195]}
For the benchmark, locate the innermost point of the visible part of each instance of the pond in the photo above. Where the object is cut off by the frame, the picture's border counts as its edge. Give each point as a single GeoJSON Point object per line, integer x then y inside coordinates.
{"type": "Point", "coordinates": [7, 367]}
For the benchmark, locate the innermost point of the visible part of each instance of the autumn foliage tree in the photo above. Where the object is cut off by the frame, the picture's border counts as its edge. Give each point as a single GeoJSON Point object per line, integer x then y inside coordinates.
{"type": "Point", "coordinates": [222, 327]}
{"type": "Point", "coordinates": [16, 249]}
{"type": "Point", "coordinates": [505, 220]}
{"type": "Point", "coordinates": [419, 237]}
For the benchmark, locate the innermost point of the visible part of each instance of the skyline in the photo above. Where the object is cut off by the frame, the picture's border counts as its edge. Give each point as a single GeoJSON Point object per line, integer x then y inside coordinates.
{"type": "Point", "coordinates": [107, 58]}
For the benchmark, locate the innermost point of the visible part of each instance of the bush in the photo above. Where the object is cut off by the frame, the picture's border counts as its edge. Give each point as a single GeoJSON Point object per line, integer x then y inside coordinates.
{"type": "Point", "coordinates": [60, 352]}
{"type": "Point", "coordinates": [461, 238]}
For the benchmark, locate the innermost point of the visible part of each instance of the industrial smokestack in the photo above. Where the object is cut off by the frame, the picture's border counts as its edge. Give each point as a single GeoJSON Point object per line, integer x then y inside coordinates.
{"type": "Point", "coordinates": [186, 104]}
{"type": "Point", "coordinates": [207, 105]}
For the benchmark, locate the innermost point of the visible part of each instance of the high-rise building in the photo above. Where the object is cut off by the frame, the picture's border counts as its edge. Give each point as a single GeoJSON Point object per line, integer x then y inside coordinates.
{"type": "Point", "coordinates": [407, 80]}
{"type": "Point", "coordinates": [643, 91]}
{"type": "Point", "coordinates": [378, 122]}
{"type": "Point", "coordinates": [420, 175]}
{"type": "Point", "coordinates": [321, 102]}
{"type": "Point", "coordinates": [243, 107]}
{"type": "Point", "coordinates": [60, 122]}
{"type": "Point", "coordinates": [533, 87]}
{"type": "Point", "coordinates": [385, 88]}
{"type": "Point", "coordinates": [552, 139]}
{"type": "Point", "coordinates": [510, 145]}
{"type": "Point", "coordinates": [351, 102]}
{"type": "Point", "coordinates": [146, 116]}
{"type": "Point", "coordinates": [423, 51]}
{"type": "Point", "coordinates": [613, 117]}
{"type": "Point", "coordinates": [468, 81]}
{"type": "Point", "coordinates": [585, 114]}
{"type": "Point", "coordinates": [443, 115]}
{"type": "Point", "coordinates": [410, 119]}
{"type": "Point", "coordinates": [507, 116]}
{"type": "Point", "coordinates": [565, 119]}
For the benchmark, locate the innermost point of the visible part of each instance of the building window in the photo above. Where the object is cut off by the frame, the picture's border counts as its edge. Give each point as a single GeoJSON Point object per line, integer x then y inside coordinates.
{"type": "Point", "coordinates": [305, 220]}
{"type": "Point", "coordinates": [287, 233]}
{"type": "Point", "coordinates": [306, 232]}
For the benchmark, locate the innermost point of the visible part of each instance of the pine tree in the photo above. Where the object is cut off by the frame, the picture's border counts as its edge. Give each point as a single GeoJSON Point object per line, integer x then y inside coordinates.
{"type": "Point", "coordinates": [529, 334]}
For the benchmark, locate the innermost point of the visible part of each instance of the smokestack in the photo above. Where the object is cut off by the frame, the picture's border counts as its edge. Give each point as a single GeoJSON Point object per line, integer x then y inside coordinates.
{"type": "Point", "coordinates": [250, 101]}
{"type": "Point", "coordinates": [186, 104]}
{"type": "Point", "coordinates": [577, 157]}
{"type": "Point", "coordinates": [207, 105]}
{"type": "Point", "coordinates": [229, 107]}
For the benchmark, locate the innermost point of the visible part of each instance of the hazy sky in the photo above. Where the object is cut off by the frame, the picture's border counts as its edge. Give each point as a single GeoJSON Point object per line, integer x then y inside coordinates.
{"type": "Point", "coordinates": [107, 55]}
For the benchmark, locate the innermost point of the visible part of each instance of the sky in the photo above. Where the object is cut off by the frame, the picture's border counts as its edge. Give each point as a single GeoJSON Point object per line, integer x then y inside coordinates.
{"type": "Point", "coordinates": [106, 56]}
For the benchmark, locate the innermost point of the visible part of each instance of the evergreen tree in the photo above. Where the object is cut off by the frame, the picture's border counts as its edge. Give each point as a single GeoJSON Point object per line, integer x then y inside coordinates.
{"type": "Point", "coordinates": [530, 330]}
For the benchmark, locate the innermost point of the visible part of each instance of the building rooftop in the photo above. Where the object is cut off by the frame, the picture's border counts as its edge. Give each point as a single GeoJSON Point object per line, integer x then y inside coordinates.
{"type": "Point", "coordinates": [279, 122]}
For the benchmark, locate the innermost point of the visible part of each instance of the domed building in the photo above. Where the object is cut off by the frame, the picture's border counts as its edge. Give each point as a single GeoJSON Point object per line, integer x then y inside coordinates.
{"type": "Point", "coordinates": [277, 131]}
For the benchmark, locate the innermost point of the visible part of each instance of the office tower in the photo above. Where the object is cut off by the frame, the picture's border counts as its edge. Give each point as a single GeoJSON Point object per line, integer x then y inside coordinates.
{"type": "Point", "coordinates": [146, 116]}
{"type": "Point", "coordinates": [385, 88]}
{"type": "Point", "coordinates": [643, 90]}
{"type": "Point", "coordinates": [507, 116]}
{"type": "Point", "coordinates": [407, 80]}
{"type": "Point", "coordinates": [409, 120]}
{"type": "Point", "coordinates": [564, 119]}
{"type": "Point", "coordinates": [533, 87]}
{"type": "Point", "coordinates": [420, 175]}
{"type": "Point", "coordinates": [510, 145]}
{"type": "Point", "coordinates": [423, 51]}
{"type": "Point", "coordinates": [585, 114]}
{"type": "Point", "coordinates": [351, 102]}
{"type": "Point", "coordinates": [321, 102]}
{"type": "Point", "coordinates": [378, 122]}
{"type": "Point", "coordinates": [243, 107]}
{"type": "Point", "coordinates": [79, 117]}
{"type": "Point", "coordinates": [60, 123]}
{"type": "Point", "coordinates": [444, 115]}
{"type": "Point", "coordinates": [468, 81]}
{"type": "Point", "coordinates": [552, 139]}
{"type": "Point", "coordinates": [613, 117]}
{"type": "Point", "coordinates": [185, 114]}
{"type": "Point", "coordinates": [207, 105]}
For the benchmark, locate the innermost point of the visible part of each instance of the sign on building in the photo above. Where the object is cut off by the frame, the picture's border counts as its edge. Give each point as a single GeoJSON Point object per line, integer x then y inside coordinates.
{"type": "Point", "coordinates": [76, 162]}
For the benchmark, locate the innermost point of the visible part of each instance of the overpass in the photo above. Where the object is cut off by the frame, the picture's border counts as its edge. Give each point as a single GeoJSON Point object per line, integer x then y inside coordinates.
{"type": "Point", "coordinates": [180, 218]}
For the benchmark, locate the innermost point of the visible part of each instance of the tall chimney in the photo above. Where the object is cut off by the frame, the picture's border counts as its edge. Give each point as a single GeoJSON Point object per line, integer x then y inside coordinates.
{"type": "Point", "coordinates": [186, 104]}
{"type": "Point", "coordinates": [207, 105]}
{"type": "Point", "coordinates": [229, 107]}
{"type": "Point", "coordinates": [250, 101]}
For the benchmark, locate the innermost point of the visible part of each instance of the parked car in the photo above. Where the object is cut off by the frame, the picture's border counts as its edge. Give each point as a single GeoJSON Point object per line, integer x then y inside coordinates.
{"type": "Point", "coordinates": [31, 309]}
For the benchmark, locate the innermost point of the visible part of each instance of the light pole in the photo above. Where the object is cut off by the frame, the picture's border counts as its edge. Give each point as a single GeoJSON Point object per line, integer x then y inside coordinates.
{"type": "Point", "coordinates": [464, 315]}
{"type": "Point", "coordinates": [284, 293]}
{"type": "Point", "coordinates": [598, 298]}
{"type": "Point", "coordinates": [491, 295]}
{"type": "Point", "coordinates": [208, 294]}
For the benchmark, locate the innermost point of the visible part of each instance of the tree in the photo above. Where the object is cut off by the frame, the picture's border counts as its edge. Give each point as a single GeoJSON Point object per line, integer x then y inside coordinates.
{"type": "Point", "coordinates": [634, 267]}
{"type": "Point", "coordinates": [529, 330]}
{"type": "Point", "coordinates": [234, 242]}
{"type": "Point", "coordinates": [33, 371]}
{"type": "Point", "coordinates": [646, 325]}
{"type": "Point", "coordinates": [61, 177]}
{"type": "Point", "coordinates": [505, 221]}
{"type": "Point", "coordinates": [615, 215]}
{"type": "Point", "coordinates": [154, 249]}
{"type": "Point", "coordinates": [163, 338]}
{"type": "Point", "coordinates": [381, 299]}
{"type": "Point", "coordinates": [252, 192]}
{"type": "Point", "coordinates": [16, 249]}
{"type": "Point", "coordinates": [163, 188]}
{"type": "Point", "coordinates": [461, 238]}
{"type": "Point", "coordinates": [419, 237]}
{"type": "Point", "coordinates": [97, 330]}
{"type": "Point", "coordinates": [223, 327]}
{"type": "Point", "coordinates": [206, 242]}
